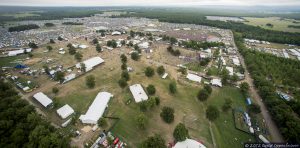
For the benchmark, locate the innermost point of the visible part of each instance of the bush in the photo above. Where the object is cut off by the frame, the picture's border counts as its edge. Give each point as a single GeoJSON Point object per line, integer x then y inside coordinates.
{"type": "Point", "coordinates": [151, 89]}
{"type": "Point", "coordinates": [135, 56]}
{"type": "Point", "coordinates": [143, 106]}
{"type": "Point", "coordinates": [78, 56]}
{"type": "Point", "coordinates": [254, 108]}
{"type": "Point", "coordinates": [98, 48]}
{"type": "Point", "coordinates": [157, 100]}
{"type": "Point", "coordinates": [203, 95]}
{"type": "Point", "coordinates": [123, 58]}
{"type": "Point", "coordinates": [160, 70]}
{"type": "Point", "coordinates": [55, 90]}
{"type": "Point", "coordinates": [124, 66]}
{"type": "Point", "coordinates": [227, 105]}
{"type": "Point", "coordinates": [212, 113]}
{"type": "Point", "coordinates": [141, 121]}
{"type": "Point", "coordinates": [102, 122]}
{"type": "Point", "coordinates": [208, 88]}
{"type": "Point", "coordinates": [173, 87]}
{"type": "Point", "coordinates": [49, 48]}
{"type": "Point", "coordinates": [122, 83]}
{"type": "Point", "coordinates": [95, 41]}
{"type": "Point", "coordinates": [167, 114]}
{"type": "Point", "coordinates": [180, 132]}
{"type": "Point", "coordinates": [155, 141]}
{"type": "Point", "coordinates": [125, 75]}
{"type": "Point", "coordinates": [52, 41]}
{"type": "Point", "coordinates": [90, 81]}
{"type": "Point", "coordinates": [149, 72]}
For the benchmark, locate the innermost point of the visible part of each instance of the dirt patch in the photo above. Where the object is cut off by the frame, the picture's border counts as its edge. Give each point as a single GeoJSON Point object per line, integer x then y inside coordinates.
{"type": "Point", "coordinates": [32, 61]}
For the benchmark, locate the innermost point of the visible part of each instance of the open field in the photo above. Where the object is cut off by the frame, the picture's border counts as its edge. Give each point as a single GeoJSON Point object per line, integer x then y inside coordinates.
{"type": "Point", "coordinates": [20, 14]}
{"type": "Point", "coordinates": [278, 23]}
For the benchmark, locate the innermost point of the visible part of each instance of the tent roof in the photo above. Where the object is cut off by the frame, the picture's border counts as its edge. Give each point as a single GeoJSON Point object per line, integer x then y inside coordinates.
{"type": "Point", "coordinates": [65, 111]}
{"type": "Point", "coordinates": [43, 99]}
{"type": "Point", "coordinates": [138, 93]}
{"type": "Point", "coordinates": [189, 143]}
{"type": "Point", "coordinates": [96, 109]}
{"type": "Point", "coordinates": [90, 63]}
{"type": "Point", "coordinates": [194, 77]}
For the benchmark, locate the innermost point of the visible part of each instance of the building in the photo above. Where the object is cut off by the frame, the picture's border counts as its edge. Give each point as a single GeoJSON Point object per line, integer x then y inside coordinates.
{"type": "Point", "coordinates": [138, 93]}
{"type": "Point", "coordinates": [230, 70]}
{"type": "Point", "coordinates": [96, 109]}
{"type": "Point", "coordinates": [65, 111]}
{"type": "Point", "coordinates": [194, 77]}
{"type": "Point", "coordinates": [90, 63]}
{"type": "Point", "coordinates": [216, 82]}
{"type": "Point", "coordinates": [83, 46]}
{"type": "Point", "coordinates": [144, 45]}
{"type": "Point", "coordinates": [116, 33]}
{"type": "Point", "coordinates": [17, 52]}
{"type": "Point", "coordinates": [189, 143]}
{"type": "Point", "coordinates": [69, 77]}
{"type": "Point", "coordinates": [236, 61]}
{"type": "Point", "coordinates": [165, 76]}
{"type": "Point", "coordinates": [43, 99]}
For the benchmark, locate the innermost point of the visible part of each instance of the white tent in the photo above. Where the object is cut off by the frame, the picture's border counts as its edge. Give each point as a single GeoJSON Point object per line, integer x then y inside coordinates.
{"type": "Point", "coordinates": [236, 61]}
{"type": "Point", "coordinates": [216, 82]}
{"type": "Point", "coordinates": [116, 33]}
{"type": "Point", "coordinates": [144, 45]}
{"type": "Point", "coordinates": [138, 93]}
{"type": "Point", "coordinates": [230, 69]}
{"type": "Point", "coordinates": [165, 76]}
{"type": "Point", "coordinates": [189, 143]}
{"type": "Point", "coordinates": [69, 77]}
{"type": "Point", "coordinates": [96, 109]}
{"type": "Point", "coordinates": [83, 46]}
{"type": "Point", "coordinates": [43, 99]}
{"type": "Point", "coordinates": [17, 52]}
{"type": "Point", "coordinates": [193, 77]}
{"type": "Point", "coordinates": [65, 111]}
{"type": "Point", "coordinates": [91, 63]}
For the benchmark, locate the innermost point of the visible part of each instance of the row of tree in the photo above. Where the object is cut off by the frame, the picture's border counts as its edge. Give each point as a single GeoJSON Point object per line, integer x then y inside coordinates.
{"type": "Point", "coordinates": [23, 27]}
{"type": "Point", "coordinates": [196, 45]}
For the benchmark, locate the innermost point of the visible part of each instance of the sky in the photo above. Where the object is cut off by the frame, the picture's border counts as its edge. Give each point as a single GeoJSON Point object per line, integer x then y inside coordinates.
{"type": "Point", "coordinates": [146, 2]}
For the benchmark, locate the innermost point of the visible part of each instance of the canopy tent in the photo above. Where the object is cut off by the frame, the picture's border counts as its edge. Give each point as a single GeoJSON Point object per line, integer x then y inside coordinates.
{"type": "Point", "coordinates": [43, 99]}
{"type": "Point", "coordinates": [138, 93]}
{"type": "Point", "coordinates": [65, 111]}
{"type": "Point", "coordinates": [20, 66]}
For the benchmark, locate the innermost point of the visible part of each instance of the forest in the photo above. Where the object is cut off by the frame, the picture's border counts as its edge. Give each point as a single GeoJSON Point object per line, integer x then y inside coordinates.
{"type": "Point", "coordinates": [21, 126]}
{"type": "Point", "coordinates": [23, 27]}
{"type": "Point", "coordinates": [190, 17]}
{"type": "Point", "coordinates": [265, 69]}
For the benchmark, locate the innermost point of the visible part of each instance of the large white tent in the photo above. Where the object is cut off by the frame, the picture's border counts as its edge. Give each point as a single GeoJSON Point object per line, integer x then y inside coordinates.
{"type": "Point", "coordinates": [65, 111]}
{"type": "Point", "coordinates": [193, 77]}
{"type": "Point", "coordinates": [96, 109]}
{"type": "Point", "coordinates": [43, 99]}
{"type": "Point", "coordinates": [216, 82]}
{"type": "Point", "coordinates": [189, 143]}
{"type": "Point", "coordinates": [17, 52]}
{"type": "Point", "coordinates": [90, 63]}
{"type": "Point", "coordinates": [230, 69]}
{"type": "Point", "coordinates": [138, 93]}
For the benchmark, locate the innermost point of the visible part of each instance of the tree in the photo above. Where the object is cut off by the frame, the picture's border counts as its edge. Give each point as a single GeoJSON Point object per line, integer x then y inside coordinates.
{"type": "Point", "coordinates": [102, 122]}
{"type": "Point", "coordinates": [227, 104]}
{"type": "Point", "coordinates": [123, 58]}
{"type": "Point", "coordinates": [52, 41]}
{"type": "Point", "coordinates": [135, 56]}
{"type": "Point", "coordinates": [151, 89]}
{"type": "Point", "coordinates": [47, 70]}
{"type": "Point", "coordinates": [157, 100]}
{"type": "Point", "coordinates": [225, 76]}
{"type": "Point", "coordinates": [55, 90]}
{"type": "Point", "coordinates": [234, 78]}
{"type": "Point", "coordinates": [173, 87]}
{"type": "Point", "coordinates": [137, 48]}
{"type": "Point", "coordinates": [173, 40]}
{"type": "Point", "coordinates": [244, 87]}
{"type": "Point", "coordinates": [125, 75]}
{"type": "Point", "coordinates": [82, 67]}
{"type": "Point", "coordinates": [95, 41]}
{"type": "Point", "coordinates": [123, 43]}
{"type": "Point", "coordinates": [149, 72]}
{"type": "Point", "coordinates": [141, 121]}
{"type": "Point", "coordinates": [160, 70]}
{"type": "Point", "coordinates": [72, 50]}
{"type": "Point", "coordinates": [124, 66]}
{"type": "Point", "coordinates": [78, 56]}
{"type": "Point", "coordinates": [60, 38]}
{"type": "Point", "coordinates": [254, 108]}
{"type": "Point", "coordinates": [59, 76]}
{"type": "Point", "coordinates": [49, 48]}
{"type": "Point", "coordinates": [151, 102]}
{"type": "Point", "coordinates": [208, 88]}
{"type": "Point", "coordinates": [69, 45]}
{"type": "Point", "coordinates": [98, 48]}
{"type": "Point", "coordinates": [143, 106]}
{"type": "Point", "coordinates": [212, 113]}
{"type": "Point", "coordinates": [180, 132]}
{"type": "Point", "coordinates": [122, 83]}
{"type": "Point", "coordinates": [167, 114]}
{"type": "Point", "coordinates": [102, 34]}
{"type": "Point", "coordinates": [32, 45]}
{"type": "Point", "coordinates": [90, 81]}
{"type": "Point", "coordinates": [203, 95]}
{"type": "Point", "coordinates": [155, 141]}
{"type": "Point", "coordinates": [132, 34]}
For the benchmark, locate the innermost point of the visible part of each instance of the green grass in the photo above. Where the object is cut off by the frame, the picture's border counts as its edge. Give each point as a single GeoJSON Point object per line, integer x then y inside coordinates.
{"type": "Point", "coordinates": [223, 128]}
{"type": "Point", "coordinates": [279, 24]}
{"type": "Point", "coordinates": [20, 14]}
{"type": "Point", "coordinates": [195, 66]}
{"type": "Point", "coordinates": [11, 61]}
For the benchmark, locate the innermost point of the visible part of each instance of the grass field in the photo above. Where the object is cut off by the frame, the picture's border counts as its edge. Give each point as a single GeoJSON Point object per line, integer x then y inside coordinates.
{"type": "Point", "coordinates": [20, 14]}
{"type": "Point", "coordinates": [278, 24]}
{"type": "Point", "coordinates": [12, 61]}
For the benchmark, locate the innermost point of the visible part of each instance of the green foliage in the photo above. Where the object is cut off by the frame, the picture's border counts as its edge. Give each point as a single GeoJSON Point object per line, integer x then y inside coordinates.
{"type": "Point", "coordinates": [149, 72]}
{"type": "Point", "coordinates": [160, 70]}
{"type": "Point", "coordinates": [143, 106]}
{"type": "Point", "coordinates": [180, 132]}
{"type": "Point", "coordinates": [60, 38]}
{"type": "Point", "coordinates": [254, 108]}
{"type": "Point", "coordinates": [102, 122]}
{"type": "Point", "coordinates": [155, 141]}
{"type": "Point", "coordinates": [52, 41]}
{"type": "Point", "coordinates": [197, 45]}
{"type": "Point", "coordinates": [167, 114]}
{"type": "Point", "coordinates": [225, 76]}
{"type": "Point", "coordinates": [204, 61]}
{"type": "Point", "coordinates": [182, 70]}
{"type": "Point", "coordinates": [32, 45]}
{"type": "Point", "coordinates": [227, 104]}
{"type": "Point", "coordinates": [90, 81]}
{"type": "Point", "coordinates": [173, 87]}
{"type": "Point", "coordinates": [151, 89]}
{"type": "Point", "coordinates": [157, 100]}
{"type": "Point", "coordinates": [112, 43]}
{"type": "Point", "coordinates": [78, 56]}
{"type": "Point", "coordinates": [82, 67]}
{"type": "Point", "coordinates": [72, 23]}
{"type": "Point", "coordinates": [203, 95]}
{"type": "Point", "coordinates": [23, 27]}
{"type": "Point", "coordinates": [173, 52]}
{"type": "Point", "coordinates": [49, 48]}
{"type": "Point", "coordinates": [98, 48]}
{"type": "Point", "coordinates": [59, 76]}
{"type": "Point", "coordinates": [141, 121]}
{"type": "Point", "coordinates": [123, 58]}
{"type": "Point", "coordinates": [212, 113]}
{"type": "Point", "coordinates": [124, 66]}
{"type": "Point", "coordinates": [55, 90]}
{"type": "Point", "coordinates": [244, 88]}
{"type": "Point", "coordinates": [72, 50]}
{"type": "Point", "coordinates": [125, 75]}
{"type": "Point", "coordinates": [208, 88]}
{"type": "Point", "coordinates": [135, 56]}
{"type": "Point", "coordinates": [122, 83]}
{"type": "Point", "coordinates": [95, 41]}
{"type": "Point", "coordinates": [49, 25]}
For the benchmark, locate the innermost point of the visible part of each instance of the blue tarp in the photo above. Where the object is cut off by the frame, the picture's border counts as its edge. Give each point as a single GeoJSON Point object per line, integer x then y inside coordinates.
{"type": "Point", "coordinates": [19, 66]}
{"type": "Point", "coordinates": [248, 100]}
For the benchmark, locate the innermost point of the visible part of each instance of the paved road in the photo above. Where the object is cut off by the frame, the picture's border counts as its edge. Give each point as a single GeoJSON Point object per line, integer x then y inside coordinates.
{"type": "Point", "coordinates": [272, 127]}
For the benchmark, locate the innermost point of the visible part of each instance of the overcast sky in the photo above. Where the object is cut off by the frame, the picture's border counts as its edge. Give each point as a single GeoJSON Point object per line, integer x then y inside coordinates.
{"type": "Point", "coordinates": [145, 2]}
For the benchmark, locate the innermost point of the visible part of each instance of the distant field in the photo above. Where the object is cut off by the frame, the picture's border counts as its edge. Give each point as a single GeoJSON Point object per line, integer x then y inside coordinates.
{"type": "Point", "coordinates": [278, 23]}
{"type": "Point", "coordinates": [20, 14]}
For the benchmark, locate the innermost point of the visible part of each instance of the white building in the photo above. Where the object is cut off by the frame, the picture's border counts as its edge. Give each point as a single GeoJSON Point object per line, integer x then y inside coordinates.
{"type": "Point", "coordinates": [43, 99]}
{"type": "Point", "coordinates": [116, 33]}
{"type": "Point", "coordinates": [193, 77]}
{"type": "Point", "coordinates": [65, 111]}
{"type": "Point", "coordinates": [96, 109]}
{"type": "Point", "coordinates": [69, 77]}
{"type": "Point", "coordinates": [138, 93]}
{"type": "Point", "coordinates": [90, 63]}
{"type": "Point", "coordinates": [144, 45]}
{"type": "Point", "coordinates": [230, 69]}
{"type": "Point", "coordinates": [83, 46]}
{"type": "Point", "coordinates": [17, 52]}
{"type": "Point", "coordinates": [236, 61]}
{"type": "Point", "coordinates": [189, 143]}
{"type": "Point", "coordinates": [216, 82]}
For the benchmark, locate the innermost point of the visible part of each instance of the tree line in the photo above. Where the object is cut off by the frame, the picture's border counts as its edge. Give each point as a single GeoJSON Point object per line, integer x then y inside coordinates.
{"type": "Point", "coordinates": [23, 27]}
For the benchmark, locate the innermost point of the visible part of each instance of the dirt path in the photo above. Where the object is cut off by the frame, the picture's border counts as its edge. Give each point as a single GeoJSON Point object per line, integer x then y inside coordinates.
{"type": "Point", "coordinates": [272, 127]}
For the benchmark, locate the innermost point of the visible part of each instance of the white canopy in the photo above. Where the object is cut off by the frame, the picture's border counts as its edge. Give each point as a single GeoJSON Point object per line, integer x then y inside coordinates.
{"type": "Point", "coordinates": [96, 109]}
{"type": "Point", "coordinates": [189, 143]}
{"type": "Point", "coordinates": [230, 69]}
{"type": "Point", "coordinates": [193, 77]}
{"type": "Point", "coordinates": [216, 82]}
{"type": "Point", "coordinates": [43, 99]}
{"type": "Point", "coordinates": [91, 63]}
{"type": "Point", "coordinates": [70, 77]}
{"type": "Point", "coordinates": [138, 93]}
{"type": "Point", "coordinates": [20, 51]}
{"type": "Point", "coordinates": [65, 111]}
